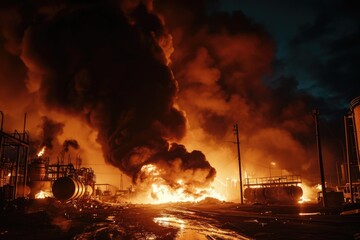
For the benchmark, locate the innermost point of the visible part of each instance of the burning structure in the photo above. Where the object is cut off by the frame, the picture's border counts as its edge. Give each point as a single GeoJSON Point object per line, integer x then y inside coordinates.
{"type": "Point", "coordinates": [133, 113]}
{"type": "Point", "coordinates": [37, 178]}
{"type": "Point", "coordinates": [141, 96]}
{"type": "Point", "coordinates": [158, 104]}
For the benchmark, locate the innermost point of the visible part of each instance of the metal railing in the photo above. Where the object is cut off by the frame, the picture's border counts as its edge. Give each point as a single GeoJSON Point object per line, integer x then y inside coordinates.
{"type": "Point", "coordinates": [273, 181]}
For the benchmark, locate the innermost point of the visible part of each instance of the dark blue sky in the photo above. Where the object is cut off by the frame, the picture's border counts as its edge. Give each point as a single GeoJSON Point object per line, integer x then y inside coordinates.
{"type": "Point", "coordinates": [317, 43]}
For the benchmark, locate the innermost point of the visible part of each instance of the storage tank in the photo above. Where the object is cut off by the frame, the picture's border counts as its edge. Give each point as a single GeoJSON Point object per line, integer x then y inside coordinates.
{"type": "Point", "coordinates": [67, 188]}
{"type": "Point", "coordinates": [355, 109]}
{"type": "Point", "coordinates": [37, 170]}
{"type": "Point", "coordinates": [282, 194]}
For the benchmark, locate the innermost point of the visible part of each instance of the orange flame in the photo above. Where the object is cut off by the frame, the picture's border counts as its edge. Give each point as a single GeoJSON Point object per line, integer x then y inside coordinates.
{"type": "Point", "coordinates": [41, 152]}
{"type": "Point", "coordinates": [309, 193]}
{"type": "Point", "coordinates": [42, 195]}
{"type": "Point", "coordinates": [163, 193]}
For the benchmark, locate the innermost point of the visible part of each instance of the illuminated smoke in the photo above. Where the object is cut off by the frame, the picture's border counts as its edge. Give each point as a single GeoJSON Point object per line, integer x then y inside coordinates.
{"type": "Point", "coordinates": [48, 138]}
{"type": "Point", "coordinates": [220, 61]}
{"type": "Point", "coordinates": [105, 62]}
{"type": "Point", "coordinates": [50, 130]}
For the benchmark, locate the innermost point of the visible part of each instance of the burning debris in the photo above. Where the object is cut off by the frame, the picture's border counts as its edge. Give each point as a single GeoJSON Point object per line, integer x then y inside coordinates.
{"type": "Point", "coordinates": [177, 175]}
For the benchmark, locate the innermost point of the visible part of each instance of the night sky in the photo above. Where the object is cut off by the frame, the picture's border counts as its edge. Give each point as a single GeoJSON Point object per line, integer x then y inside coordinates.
{"type": "Point", "coordinates": [162, 82]}
{"type": "Point", "coordinates": [317, 43]}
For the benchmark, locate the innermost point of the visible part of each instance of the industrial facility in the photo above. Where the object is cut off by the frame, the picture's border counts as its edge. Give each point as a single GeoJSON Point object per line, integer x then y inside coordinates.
{"type": "Point", "coordinates": [21, 176]}
{"type": "Point", "coordinates": [38, 177]}
{"type": "Point", "coordinates": [66, 194]}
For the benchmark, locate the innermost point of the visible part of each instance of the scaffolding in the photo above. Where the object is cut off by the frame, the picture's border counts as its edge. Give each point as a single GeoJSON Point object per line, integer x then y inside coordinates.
{"type": "Point", "coordinates": [14, 151]}
{"type": "Point", "coordinates": [281, 181]}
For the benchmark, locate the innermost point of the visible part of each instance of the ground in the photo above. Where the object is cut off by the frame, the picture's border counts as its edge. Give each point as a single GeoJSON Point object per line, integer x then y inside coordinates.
{"type": "Point", "coordinates": [50, 219]}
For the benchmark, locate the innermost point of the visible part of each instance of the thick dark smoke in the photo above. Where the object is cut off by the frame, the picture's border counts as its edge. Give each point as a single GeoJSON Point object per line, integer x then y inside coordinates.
{"type": "Point", "coordinates": [101, 61]}
{"type": "Point", "coordinates": [106, 62]}
{"type": "Point", "coordinates": [221, 60]}
{"type": "Point", "coordinates": [70, 143]}
{"type": "Point", "coordinates": [50, 130]}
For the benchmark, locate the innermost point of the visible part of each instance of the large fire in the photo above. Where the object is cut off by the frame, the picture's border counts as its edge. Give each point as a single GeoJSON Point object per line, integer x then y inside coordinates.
{"type": "Point", "coordinates": [160, 192]}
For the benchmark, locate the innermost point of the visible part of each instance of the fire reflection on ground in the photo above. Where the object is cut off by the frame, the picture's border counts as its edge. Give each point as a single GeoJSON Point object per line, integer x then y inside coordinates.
{"type": "Point", "coordinates": [194, 228]}
{"type": "Point", "coordinates": [96, 220]}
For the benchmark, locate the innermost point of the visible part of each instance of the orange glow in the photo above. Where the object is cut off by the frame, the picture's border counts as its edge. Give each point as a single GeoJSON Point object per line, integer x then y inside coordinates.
{"type": "Point", "coordinates": [309, 193]}
{"type": "Point", "coordinates": [160, 192]}
{"type": "Point", "coordinates": [165, 194]}
{"type": "Point", "coordinates": [41, 152]}
{"type": "Point", "coordinates": [150, 169]}
{"type": "Point", "coordinates": [42, 195]}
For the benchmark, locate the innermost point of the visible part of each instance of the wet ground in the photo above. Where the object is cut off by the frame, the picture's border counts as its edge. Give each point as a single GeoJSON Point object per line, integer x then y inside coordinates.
{"type": "Point", "coordinates": [49, 219]}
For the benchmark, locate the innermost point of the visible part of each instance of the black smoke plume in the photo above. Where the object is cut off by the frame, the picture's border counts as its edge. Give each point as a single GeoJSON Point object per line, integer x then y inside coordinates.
{"type": "Point", "coordinates": [50, 130]}
{"type": "Point", "coordinates": [70, 143]}
{"type": "Point", "coordinates": [101, 61]}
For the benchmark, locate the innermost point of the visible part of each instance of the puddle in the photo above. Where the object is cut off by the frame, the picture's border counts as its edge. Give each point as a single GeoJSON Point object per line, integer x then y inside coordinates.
{"type": "Point", "coordinates": [110, 218]}
{"type": "Point", "coordinates": [170, 221]}
{"type": "Point", "coordinates": [309, 214]}
{"type": "Point", "coordinates": [192, 229]}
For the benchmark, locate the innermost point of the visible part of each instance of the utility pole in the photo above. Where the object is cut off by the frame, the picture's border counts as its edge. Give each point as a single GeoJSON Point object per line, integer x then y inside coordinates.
{"type": "Point", "coordinates": [348, 162]}
{"type": "Point", "coordinates": [121, 182]}
{"type": "Point", "coordinates": [323, 187]}
{"type": "Point", "coordinates": [236, 132]}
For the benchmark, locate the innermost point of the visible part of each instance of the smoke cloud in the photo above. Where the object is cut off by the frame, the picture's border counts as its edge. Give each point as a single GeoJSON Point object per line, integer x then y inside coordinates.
{"type": "Point", "coordinates": [70, 143]}
{"type": "Point", "coordinates": [107, 64]}
{"type": "Point", "coordinates": [221, 61]}
{"type": "Point", "coordinates": [104, 62]}
{"type": "Point", "coordinates": [50, 130]}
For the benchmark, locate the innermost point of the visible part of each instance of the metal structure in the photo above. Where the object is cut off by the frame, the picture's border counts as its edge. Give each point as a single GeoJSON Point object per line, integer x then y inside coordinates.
{"type": "Point", "coordinates": [355, 110]}
{"type": "Point", "coordinates": [351, 188]}
{"type": "Point", "coordinates": [283, 189]}
{"type": "Point", "coordinates": [20, 177]}
{"type": "Point", "coordinates": [68, 188]}
{"type": "Point", "coordinates": [48, 178]}
{"type": "Point", "coordinates": [14, 150]}
{"type": "Point", "coordinates": [64, 180]}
